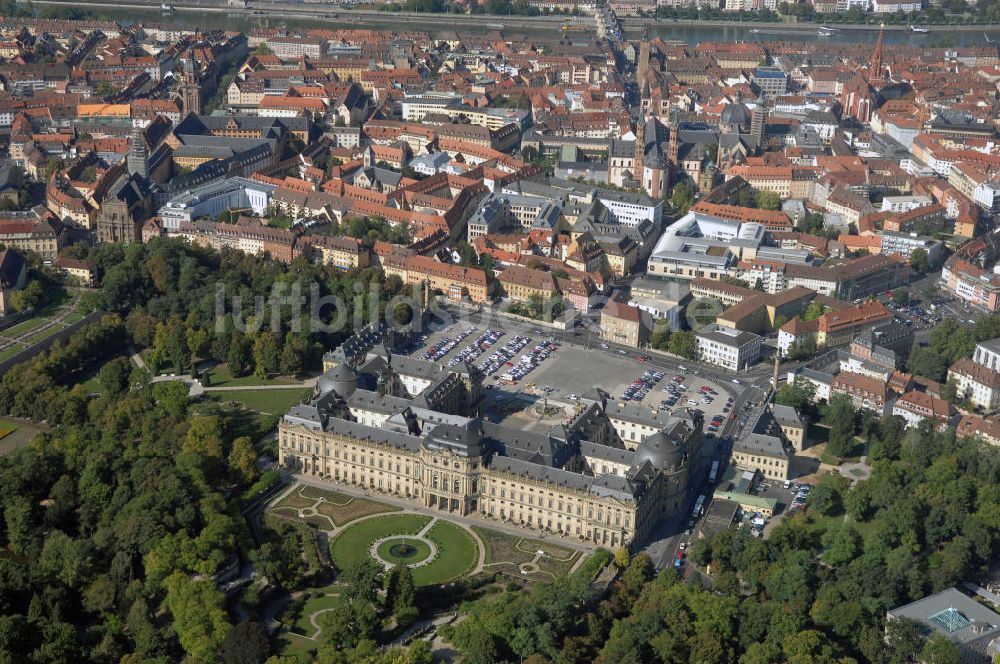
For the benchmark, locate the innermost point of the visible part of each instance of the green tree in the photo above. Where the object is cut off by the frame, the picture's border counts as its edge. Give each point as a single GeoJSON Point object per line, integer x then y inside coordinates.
{"type": "Point", "coordinates": [918, 260]}
{"type": "Point", "coordinates": [266, 354]}
{"type": "Point", "coordinates": [924, 361]}
{"type": "Point", "coordinates": [682, 196]}
{"type": "Point", "coordinates": [243, 460]}
{"type": "Point", "coordinates": [401, 594]}
{"type": "Point", "coordinates": [19, 522]}
{"type": "Point", "coordinates": [238, 358]}
{"type": "Point", "coordinates": [811, 223]}
{"type": "Point", "coordinates": [28, 298]}
{"type": "Point", "coordinates": [939, 650]}
{"type": "Point", "coordinates": [839, 415]}
{"type": "Point", "coordinates": [660, 336]}
{"type": "Point", "coordinates": [768, 200]}
{"type": "Point", "coordinates": [798, 394]}
{"type": "Point", "coordinates": [841, 542]}
{"type": "Point", "coordinates": [114, 377]}
{"type": "Point", "coordinates": [813, 311]}
{"type": "Point", "coordinates": [204, 438]}
{"type": "Point", "coordinates": [347, 624]}
{"type": "Point", "coordinates": [293, 355]}
{"type": "Point", "coordinates": [246, 643]}
{"type": "Point", "coordinates": [827, 498]}
{"type": "Point", "coordinates": [362, 580]}
{"type": "Point", "coordinates": [683, 343]}
{"type": "Point", "coordinates": [199, 618]}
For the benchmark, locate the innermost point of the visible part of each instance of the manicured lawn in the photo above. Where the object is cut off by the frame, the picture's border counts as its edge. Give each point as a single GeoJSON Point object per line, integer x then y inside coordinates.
{"type": "Point", "coordinates": [295, 499]}
{"type": "Point", "coordinates": [314, 605]}
{"type": "Point", "coordinates": [343, 508]}
{"type": "Point", "coordinates": [289, 644]}
{"type": "Point", "coordinates": [24, 327]}
{"type": "Point", "coordinates": [16, 434]}
{"type": "Point", "coordinates": [8, 427]}
{"type": "Point", "coordinates": [10, 351]}
{"type": "Point", "coordinates": [353, 543]}
{"type": "Point", "coordinates": [457, 553]}
{"type": "Point", "coordinates": [506, 552]}
{"type": "Point", "coordinates": [74, 317]}
{"type": "Point", "coordinates": [274, 402]}
{"type": "Point", "coordinates": [222, 378]}
{"type": "Point", "coordinates": [42, 334]}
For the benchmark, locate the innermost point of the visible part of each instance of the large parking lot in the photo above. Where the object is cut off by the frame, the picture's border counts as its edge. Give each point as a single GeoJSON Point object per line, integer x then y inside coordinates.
{"type": "Point", "coordinates": [523, 365]}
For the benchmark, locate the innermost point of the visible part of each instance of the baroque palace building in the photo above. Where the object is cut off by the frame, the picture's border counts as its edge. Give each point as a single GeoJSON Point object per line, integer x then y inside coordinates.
{"type": "Point", "coordinates": [411, 428]}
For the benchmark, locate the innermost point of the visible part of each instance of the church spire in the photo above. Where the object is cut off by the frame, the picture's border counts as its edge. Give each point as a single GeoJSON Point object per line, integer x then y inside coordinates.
{"type": "Point", "coordinates": [875, 69]}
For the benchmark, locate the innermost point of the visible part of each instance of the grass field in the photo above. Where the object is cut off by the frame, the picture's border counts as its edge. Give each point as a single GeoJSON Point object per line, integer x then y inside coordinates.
{"type": "Point", "coordinates": [289, 644]}
{"type": "Point", "coordinates": [353, 543]}
{"type": "Point", "coordinates": [24, 327]}
{"type": "Point", "coordinates": [10, 351]}
{"type": "Point", "coordinates": [315, 605]}
{"type": "Point", "coordinates": [274, 402]}
{"type": "Point", "coordinates": [222, 378]}
{"type": "Point", "coordinates": [7, 427]}
{"type": "Point", "coordinates": [73, 317]}
{"type": "Point", "coordinates": [42, 334]}
{"type": "Point", "coordinates": [457, 554]}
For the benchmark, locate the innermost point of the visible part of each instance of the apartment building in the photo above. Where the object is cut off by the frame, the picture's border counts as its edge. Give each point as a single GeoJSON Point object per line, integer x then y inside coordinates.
{"type": "Point", "coordinates": [915, 407]}
{"type": "Point", "coordinates": [342, 252]}
{"type": "Point", "coordinates": [977, 383]}
{"type": "Point", "coordinates": [29, 230]}
{"type": "Point", "coordinates": [520, 284]}
{"type": "Point", "coordinates": [763, 453]}
{"type": "Point", "coordinates": [453, 280]}
{"type": "Point", "coordinates": [987, 354]}
{"type": "Point", "coordinates": [839, 327]}
{"type": "Point", "coordinates": [725, 347]}
{"type": "Point", "coordinates": [622, 323]}
{"type": "Point", "coordinates": [866, 393]}
{"type": "Point", "coordinates": [81, 272]}
{"type": "Point", "coordinates": [904, 244]}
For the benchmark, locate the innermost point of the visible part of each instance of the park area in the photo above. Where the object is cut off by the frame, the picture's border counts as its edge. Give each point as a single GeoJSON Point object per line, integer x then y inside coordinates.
{"type": "Point", "coordinates": [274, 401]}
{"type": "Point", "coordinates": [438, 551]}
{"type": "Point", "coordinates": [51, 319]}
{"type": "Point", "coordinates": [16, 433]}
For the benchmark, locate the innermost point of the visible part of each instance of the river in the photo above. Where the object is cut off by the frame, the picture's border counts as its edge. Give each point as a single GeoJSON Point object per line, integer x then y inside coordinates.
{"type": "Point", "coordinates": [690, 32]}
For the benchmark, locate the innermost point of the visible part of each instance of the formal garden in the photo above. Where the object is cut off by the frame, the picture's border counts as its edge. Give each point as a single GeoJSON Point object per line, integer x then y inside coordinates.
{"type": "Point", "coordinates": [529, 559]}
{"type": "Point", "coordinates": [324, 508]}
{"type": "Point", "coordinates": [373, 545]}
{"type": "Point", "coordinates": [435, 550]}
